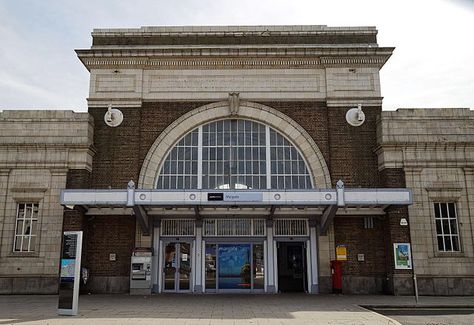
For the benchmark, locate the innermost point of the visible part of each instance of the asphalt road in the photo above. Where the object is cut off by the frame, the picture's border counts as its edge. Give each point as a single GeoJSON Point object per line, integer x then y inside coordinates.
{"type": "Point", "coordinates": [429, 316]}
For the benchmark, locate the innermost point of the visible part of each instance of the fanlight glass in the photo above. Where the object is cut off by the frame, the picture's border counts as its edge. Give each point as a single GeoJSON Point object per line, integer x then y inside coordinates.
{"type": "Point", "coordinates": [234, 154]}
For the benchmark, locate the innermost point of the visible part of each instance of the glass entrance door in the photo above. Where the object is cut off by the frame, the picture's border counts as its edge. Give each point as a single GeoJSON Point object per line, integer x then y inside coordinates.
{"type": "Point", "coordinates": [184, 271]}
{"type": "Point", "coordinates": [177, 267]}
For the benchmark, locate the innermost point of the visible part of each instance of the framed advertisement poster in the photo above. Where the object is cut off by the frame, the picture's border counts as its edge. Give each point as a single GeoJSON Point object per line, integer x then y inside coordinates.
{"type": "Point", "coordinates": [402, 256]}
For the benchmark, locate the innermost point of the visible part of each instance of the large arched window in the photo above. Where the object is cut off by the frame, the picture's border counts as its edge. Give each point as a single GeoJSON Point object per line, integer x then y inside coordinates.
{"type": "Point", "coordinates": [234, 154]}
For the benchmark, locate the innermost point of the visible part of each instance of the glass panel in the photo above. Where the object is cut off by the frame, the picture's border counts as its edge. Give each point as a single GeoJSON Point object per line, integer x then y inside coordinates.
{"type": "Point", "coordinates": [447, 243]}
{"type": "Point", "coordinates": [454, 226]}
{"type": "Point", "coordinates": [444, 210]}
{"type": "Point", "coordinates": [29, 211]}
{"type": "Point", "coordinates": [27, 227]}
{"type": "Point", "coordinates": [438, 227]}
{"type": "Point", "coordinates": [184, 266]}
{"type": "Point", "coordinates": [18, 240]}
{"type": "Point", "coordinates": [452, 211]}
{"type": "Point", "coordinates": [19, 227]}
{"type": "Point", "coordinates": [24, 246]}
{"type": "Point", "coordinates": [234, 266]}
{"type": "Point", "coordinates": [258, 266]}
{"type": "Point", "coordinates": [35, 211]}
{"type": "Point", "coordinates": [211, 261]}
{"type": "Point", "coordinates": [455, 243]}
{"type": "Point", "coordinates": [32, 243]}
{"type": "Point", "coordinates": [445, 226]}
{"type": "Point", "coordinates": [170, 266]}
{"type": "Point", "coordinates": [240, 148]}
{"type": "Point", "coordinates": [21, 211]}
{"type": "Point", "coordinates": [440, 243]}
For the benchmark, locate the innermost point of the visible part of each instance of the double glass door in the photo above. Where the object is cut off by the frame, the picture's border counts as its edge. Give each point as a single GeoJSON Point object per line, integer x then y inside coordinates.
{"type": "Point", "coordinates": [177, 267]}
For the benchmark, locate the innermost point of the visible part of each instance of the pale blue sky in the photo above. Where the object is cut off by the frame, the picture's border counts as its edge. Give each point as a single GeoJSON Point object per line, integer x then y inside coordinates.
{"type": "Point", "coordinates": [431, 67]}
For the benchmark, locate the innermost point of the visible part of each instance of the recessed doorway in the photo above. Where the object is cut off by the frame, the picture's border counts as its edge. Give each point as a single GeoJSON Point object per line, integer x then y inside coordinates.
{"type": "Point", "coordinates": [291, 267]}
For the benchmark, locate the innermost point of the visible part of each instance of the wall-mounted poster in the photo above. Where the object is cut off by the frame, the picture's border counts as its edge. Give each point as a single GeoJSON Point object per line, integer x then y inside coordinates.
{"type": "Point", "coordinates": [341, 253]}
{"type": "Point", "coordinates": [402, 256]}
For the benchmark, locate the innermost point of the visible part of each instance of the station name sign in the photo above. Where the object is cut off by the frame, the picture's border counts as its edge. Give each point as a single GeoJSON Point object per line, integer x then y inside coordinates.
{"type": "Point", "coordinates": [236, 196]}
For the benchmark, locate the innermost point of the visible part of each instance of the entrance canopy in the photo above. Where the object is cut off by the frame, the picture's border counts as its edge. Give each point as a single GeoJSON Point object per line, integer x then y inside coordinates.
{"type": "Point", "coordinates": [141, 200]}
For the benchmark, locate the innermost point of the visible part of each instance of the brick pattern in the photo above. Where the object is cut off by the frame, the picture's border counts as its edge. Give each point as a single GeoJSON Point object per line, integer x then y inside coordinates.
{"type": "Point", "coordinates": [121, 151]}
{"type": "Point", "coordinates": [109, 235]}
{"type": "Point", "coordinates": [312, 116]}
{"type": "Point", "coordinates": [348, 150]}
{"type": "Point", "coordinates": [350, 231]}
{"type": "Point", "coordinates": [119, 157]}
{"type": "Point", "coordinates": [352, 157]}
{"type": "Point", "coordinates": [74, 218]}
{"type": "Point", "coordinates": [394, 233]}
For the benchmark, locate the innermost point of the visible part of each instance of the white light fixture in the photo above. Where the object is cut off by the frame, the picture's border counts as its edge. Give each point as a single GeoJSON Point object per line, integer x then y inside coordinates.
{"type": "Point", "coordinates": [113, 117]}
{"type": "Point", "coordinates": [355, 116]}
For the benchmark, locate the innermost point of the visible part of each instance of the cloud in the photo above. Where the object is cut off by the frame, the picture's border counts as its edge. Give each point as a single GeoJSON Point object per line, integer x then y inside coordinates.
{"type": "Point", "coordinates": [430, 66]}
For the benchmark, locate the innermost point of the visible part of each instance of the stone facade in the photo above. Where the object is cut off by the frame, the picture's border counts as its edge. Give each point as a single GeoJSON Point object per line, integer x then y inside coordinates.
{"type": "Point", "coordinates": [299, 80]}
{"type": "Point", "coordinates": [433, 149]}
{"type": "Point", "coordinates": [37, 149]}
{"type": "Point", "coordinates": [308, 63]}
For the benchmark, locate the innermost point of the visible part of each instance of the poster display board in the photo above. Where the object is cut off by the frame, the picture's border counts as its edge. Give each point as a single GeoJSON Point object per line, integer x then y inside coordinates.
{"type": "Point", "coordinates": [402, 256]}
{"type": "Point", "coordinates": [341, 253]}
{"type": "Point", "coordinates": [69, 276]}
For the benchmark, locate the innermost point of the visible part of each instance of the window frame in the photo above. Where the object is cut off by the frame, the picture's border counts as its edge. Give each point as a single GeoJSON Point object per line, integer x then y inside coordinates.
{"type": "Point", "coordinates": [304, 180]}
{"type": "Point", "coordinates": [445, 252]}
{"type": "Point", "coordinates": [32, 250]}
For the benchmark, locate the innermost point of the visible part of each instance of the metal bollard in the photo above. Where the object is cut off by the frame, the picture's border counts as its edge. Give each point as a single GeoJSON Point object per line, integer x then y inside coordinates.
{"type": "Point", "coordinates": [415, 283]}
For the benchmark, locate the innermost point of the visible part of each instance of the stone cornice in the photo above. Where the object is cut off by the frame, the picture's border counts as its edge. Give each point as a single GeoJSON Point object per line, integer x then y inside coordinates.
{"type": "Point", "coordinates": [104, 62]}
{"type": "Point", "coordinates": [425, 145]}
{"type": "Point", "coordinates": [233, 30]}
{"type": "Point", "coordinates": [352, 102]}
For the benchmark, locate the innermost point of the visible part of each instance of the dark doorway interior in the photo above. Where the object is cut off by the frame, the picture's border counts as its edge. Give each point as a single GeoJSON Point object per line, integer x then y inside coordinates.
{"type": "Point", "coordinates": [291, 267]}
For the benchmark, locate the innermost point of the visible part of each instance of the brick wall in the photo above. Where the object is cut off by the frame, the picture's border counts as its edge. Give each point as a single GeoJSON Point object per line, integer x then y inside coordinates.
{"type": "Point", "coordinates": [120, 153]}
{"type": "Point", "coordinates": [400, 280]}
{"type": "Point", "coordinates": [121, 150]}
{"type": "Point", "coordinates": [352, 157]}
{"type": "Point", "coordinates": [350, 231]}
{"type": "Point", "coordinates": [74, 218]}
{"type": "Point", "coordinates": [109, 235]}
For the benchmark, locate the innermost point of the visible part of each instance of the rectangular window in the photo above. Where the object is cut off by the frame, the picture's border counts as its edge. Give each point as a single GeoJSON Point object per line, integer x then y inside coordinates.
{"type": "Point", "coordinates": [447, 231]}
{"type": "Point", "coordinates": [26, 227]}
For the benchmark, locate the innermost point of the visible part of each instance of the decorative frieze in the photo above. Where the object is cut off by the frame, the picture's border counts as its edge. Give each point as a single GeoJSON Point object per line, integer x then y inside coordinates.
{"type": "Point", "coordinates": [309, 59]}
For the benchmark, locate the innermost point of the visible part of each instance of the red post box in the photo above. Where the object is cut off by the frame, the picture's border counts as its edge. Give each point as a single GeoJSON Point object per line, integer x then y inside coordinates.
{"type": "Point", "coordinates": [336, 271]}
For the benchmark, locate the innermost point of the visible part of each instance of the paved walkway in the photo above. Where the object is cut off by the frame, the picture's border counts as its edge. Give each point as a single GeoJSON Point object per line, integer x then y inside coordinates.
{"type": "Point", "coordinates": [212, 309]}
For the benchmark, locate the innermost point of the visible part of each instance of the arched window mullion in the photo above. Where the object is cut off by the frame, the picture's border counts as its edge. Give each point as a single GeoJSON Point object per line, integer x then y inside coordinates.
{"type": "Point", "coordinates": [199, 171]}
{"type": "Point", "coordinates": [268, 160]}
{"type": "Point", "coordinates": [258, 157]}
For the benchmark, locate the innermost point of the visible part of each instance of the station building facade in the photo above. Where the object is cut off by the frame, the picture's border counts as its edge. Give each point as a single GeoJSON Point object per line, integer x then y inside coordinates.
{"type": "Point", "coordinates": [233, 164]}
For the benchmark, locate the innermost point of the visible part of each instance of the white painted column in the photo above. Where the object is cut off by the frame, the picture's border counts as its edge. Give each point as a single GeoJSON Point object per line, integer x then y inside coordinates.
{"type": "Point", "coordinates": [156, 257]}
{"type": "Point", "coordinates": [313, 286]}
{"type": "Point", "coordinates": [265, 265]}
{"type": "Point", "coordinates": [203, 267]}
{"type": "Point", "coordinates": [270, 288]}
{"type": "Point", "coordinates": [198, 258]}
